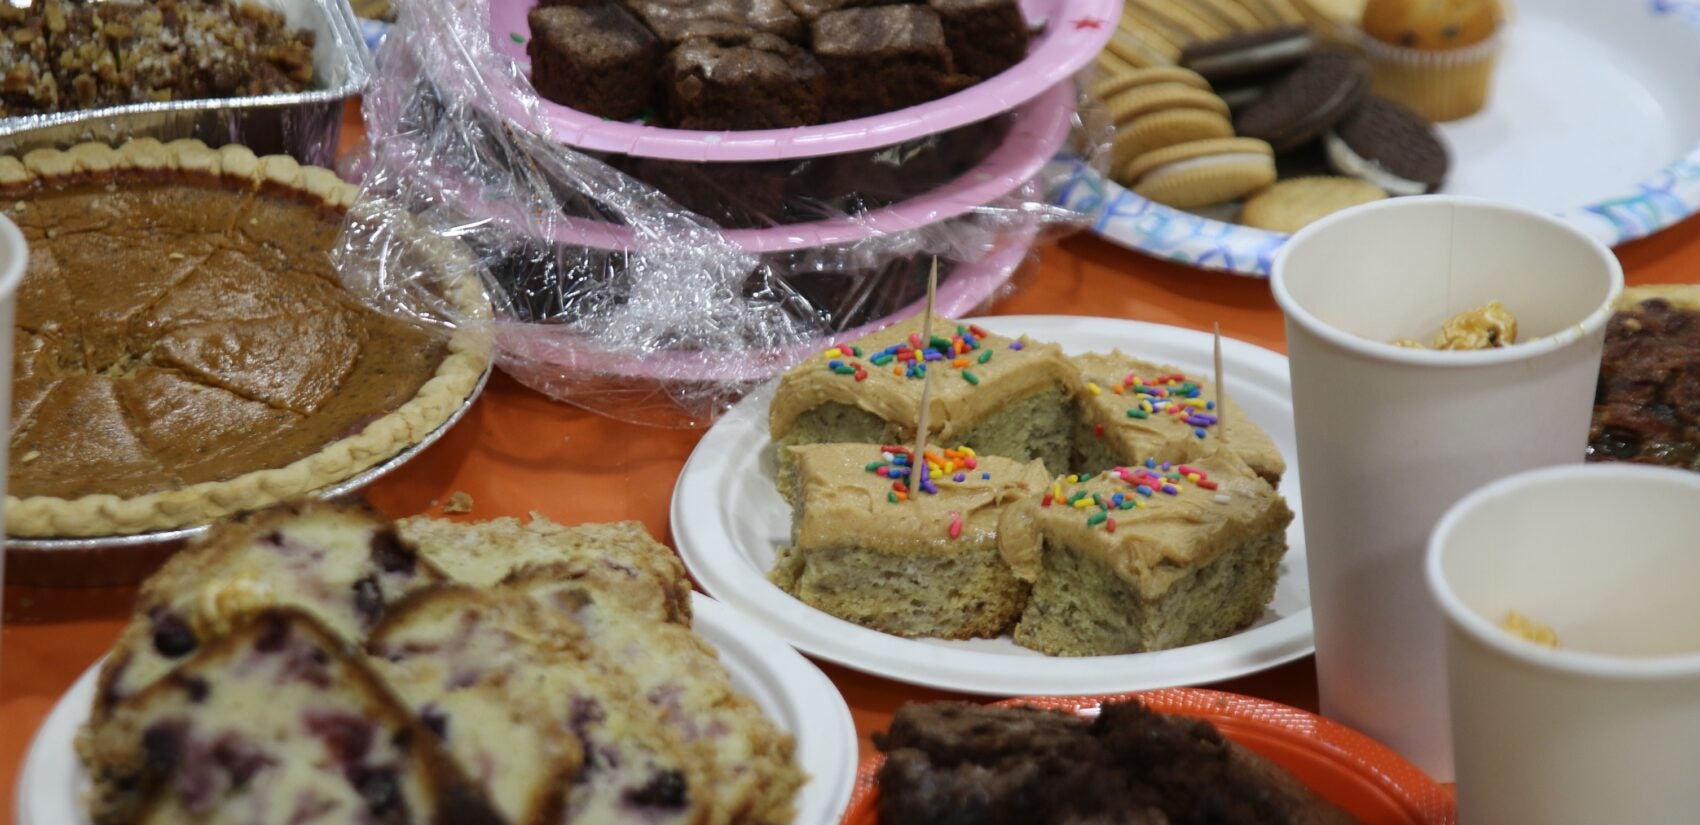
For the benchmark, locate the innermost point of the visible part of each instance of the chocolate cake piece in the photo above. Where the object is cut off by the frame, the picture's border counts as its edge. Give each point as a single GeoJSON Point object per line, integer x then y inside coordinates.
{"type": "Point", "coordinates": [742, 80]}
{"type": "Point", "coordinates": [962, 763]}
{"type": "Point", "coordinates": [985, 36]}
{"type": "Point", "coordinates": [594, 58]}
{"type": "Point", "coordinates": [675, 20]}
{"type": "Point", "coordinates": [883, 58]}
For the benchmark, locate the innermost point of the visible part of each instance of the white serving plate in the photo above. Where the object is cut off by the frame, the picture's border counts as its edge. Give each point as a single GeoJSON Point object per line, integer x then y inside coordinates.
{"type": "Point", "coordinates": [790, 690]}
{"type": "Point", "coordinates": [1594, 115]}
{"type": "Point", "coordinates": [728, 522]}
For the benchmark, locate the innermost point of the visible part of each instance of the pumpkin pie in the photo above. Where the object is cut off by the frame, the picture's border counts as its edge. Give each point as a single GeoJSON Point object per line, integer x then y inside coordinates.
{"type": "Point", "coordinates": [184, 348]}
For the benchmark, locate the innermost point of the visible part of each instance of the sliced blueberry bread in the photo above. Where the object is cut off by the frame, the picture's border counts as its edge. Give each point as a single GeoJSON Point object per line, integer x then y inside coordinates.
{"type": "Point", "coordinates": [273, 721]}
{"type": "Point", "coordinates": [508, 682]}
{"type": "Point", "coordinates": [619, 560]}
{"type": "Point", "coordinates": [343, 565]}
{"type": "Point", "coordinates": [630, 593]}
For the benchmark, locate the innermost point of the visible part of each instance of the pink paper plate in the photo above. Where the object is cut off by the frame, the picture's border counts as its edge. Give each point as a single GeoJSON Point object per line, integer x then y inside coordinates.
{"type": "Point", "coordinates": [1074, 32]}
{"type": "Point", "coordinates": [1038, 132]}
{"type": "Point", "coordinates": [542, 350]}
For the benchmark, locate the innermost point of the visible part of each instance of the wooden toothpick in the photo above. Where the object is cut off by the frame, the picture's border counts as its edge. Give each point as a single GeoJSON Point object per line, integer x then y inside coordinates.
{"type": "Point", "coordinates": [918, 462]}
{"type": "Point", "coordinates": [1221, 403]}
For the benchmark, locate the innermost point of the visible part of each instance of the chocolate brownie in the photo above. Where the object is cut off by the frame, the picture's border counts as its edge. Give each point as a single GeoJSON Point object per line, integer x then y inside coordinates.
{"type": "Point", "coordinates": [883, 58]}
{"type": "Point", "coordinates": [961, 763]}
{"type": "Point", "coordinates": [594, 58]}
{"type": "Point", "coordinates": [811, 9]}
{"type": "Point", "coordinates": [1647, 404]}
{"type": "Point", "coordinates": [985, 36]}
{"type": "Point", "coordinates": [743, 80]}
{"type": "Point", "coordinates": [675, 20]}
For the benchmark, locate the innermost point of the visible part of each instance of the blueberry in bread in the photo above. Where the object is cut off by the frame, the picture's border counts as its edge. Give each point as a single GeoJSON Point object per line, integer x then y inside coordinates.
{"type": "Point", "coordinates": [275, 717]}
{"type": "Point", "coordinates": [630, 595]}
{"type": "Point", "coordinates": [342, 565]}
{"type": "Point", "coordinates": [532, 710]}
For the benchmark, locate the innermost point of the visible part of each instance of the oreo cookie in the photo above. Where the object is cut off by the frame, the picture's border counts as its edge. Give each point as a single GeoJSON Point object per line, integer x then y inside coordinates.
{"type": "Point", "coordinates": [1306, 102]}
{"type": "Point", "coordinates": [1390, 146]}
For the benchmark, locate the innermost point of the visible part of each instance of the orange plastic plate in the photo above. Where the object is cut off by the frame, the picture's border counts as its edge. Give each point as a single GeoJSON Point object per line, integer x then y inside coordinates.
{"type": "Point", "coordinates": [1343, 766]}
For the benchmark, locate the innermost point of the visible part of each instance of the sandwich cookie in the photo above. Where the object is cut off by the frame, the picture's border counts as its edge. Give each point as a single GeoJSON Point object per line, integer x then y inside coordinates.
{"type": "Point", "coordinates": [1290, 205]}
{"type": "Point", "coordinates": [1176, 21]}
{"type": "Point", "coordinates": [1141, 48]}
{"type": "Point", "coordinates": [1272, 12]}
{"type": "Point", "coordinates": [1203, 172]}
{"type": "Point", "coordinates": [1250, 54]}
{"type": "Point", "coordinates": [1390, 146]}
{"type": "Point", "coordinates": [1305, 102]}
{"type": "Point", "coordinates": [1229, 13]}
{"type": "Point", "coordinates": [1154, 108]}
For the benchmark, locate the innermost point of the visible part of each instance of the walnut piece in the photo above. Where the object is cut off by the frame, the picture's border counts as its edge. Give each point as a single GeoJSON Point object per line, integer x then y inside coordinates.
{"type": "Point", "coordinates": [59, 55]}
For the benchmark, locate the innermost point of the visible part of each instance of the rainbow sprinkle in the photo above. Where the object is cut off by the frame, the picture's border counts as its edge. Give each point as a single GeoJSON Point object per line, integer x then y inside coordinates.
{"type": "Point", "coordinates": [909, 358]}
{"type": "Point", "coordinates": [949, 466]}
{"type": "Point", "coordinates": [1173, 394]}
{"type": "Point", "coordinates": [1143, 482]}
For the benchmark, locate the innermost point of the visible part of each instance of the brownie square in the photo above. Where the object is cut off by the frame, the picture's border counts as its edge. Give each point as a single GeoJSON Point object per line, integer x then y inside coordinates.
{"type": "Point", "coordinates": [594, 58]}
{"type": "Point", "coordinates": [985, 36]}
{"type": "Point", "coordinates": [809, 10]}
{"type": "Point", "coordinates": [675, 20]}
{"type": "Point", "coordinates": [883, 58]}
{"type": "Point", "coordinates": [745, 80]}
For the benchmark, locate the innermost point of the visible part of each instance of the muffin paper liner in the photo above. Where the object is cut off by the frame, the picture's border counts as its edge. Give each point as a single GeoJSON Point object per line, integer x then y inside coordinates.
{"type": "Point", "coordinates": [1439, 85]}
{"type": "Point", "coordinates": [664, 307]}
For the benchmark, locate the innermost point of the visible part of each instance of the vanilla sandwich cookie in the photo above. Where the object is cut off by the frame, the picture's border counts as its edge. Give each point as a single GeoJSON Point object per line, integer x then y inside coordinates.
{"type": "Point", "coordinates": [1203, 172]}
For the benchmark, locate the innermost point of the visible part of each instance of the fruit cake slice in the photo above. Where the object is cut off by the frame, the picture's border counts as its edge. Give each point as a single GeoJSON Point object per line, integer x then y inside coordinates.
{"type": "Point", "coordinates": [619, 560]}
{"type": "Point", "coordinates": [272, 722]}
{"type": "Point", "coordinates": [1008, 397]}
{"type": "Point", "coordinates": [630, 594]}
{"type": "Point", "coordinates": [1152, 557]}
{"type": "Point", "coordinates": [871, 545]}
{"type": "Point", "coordinates": [341, 564]}
{"type": "Point", "coordinates": [750, 763]}
{"type": "Point", "coordinates": [508, 684]}
{"type": "Point", "coordinates": [1129, 410]}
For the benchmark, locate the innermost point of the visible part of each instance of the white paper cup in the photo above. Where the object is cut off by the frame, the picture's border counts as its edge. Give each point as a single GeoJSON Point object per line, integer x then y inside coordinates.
{"type": "Point", "coordinates": [1389, 437]}
{"type": "Point", "coordinates": [14, 257]}
{"type": "Point", "coordinates": [1605, 729]}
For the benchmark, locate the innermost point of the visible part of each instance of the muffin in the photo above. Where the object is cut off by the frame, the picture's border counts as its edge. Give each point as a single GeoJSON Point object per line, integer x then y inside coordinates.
{"type": "Point", "coordinates": [1435, 56]}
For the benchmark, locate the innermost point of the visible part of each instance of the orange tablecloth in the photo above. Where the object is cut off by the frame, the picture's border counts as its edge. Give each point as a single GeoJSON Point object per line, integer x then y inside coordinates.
{"type": "Point", "coordinates": [517, 452]}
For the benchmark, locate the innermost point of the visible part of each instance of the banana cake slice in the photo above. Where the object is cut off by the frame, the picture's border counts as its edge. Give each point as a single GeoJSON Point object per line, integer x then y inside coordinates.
{"type": "Point", "coordinates": [873, 543]}
{"type": "Point", "coordinates": [1129, 409]}
{"type": "Point", "coordinates": [1150, 557]}
{"type": "Point", "coordinates": [1007, 397]}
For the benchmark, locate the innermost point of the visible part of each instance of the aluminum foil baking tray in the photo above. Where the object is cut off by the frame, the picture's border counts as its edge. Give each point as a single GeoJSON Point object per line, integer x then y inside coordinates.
{"type": "Point", "coordinates": [305, 125]}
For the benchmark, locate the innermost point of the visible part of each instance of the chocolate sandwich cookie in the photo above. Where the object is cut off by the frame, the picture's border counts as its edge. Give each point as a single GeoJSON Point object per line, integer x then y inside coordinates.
{"type": "Point", "coordinates": [1390, 146]}
{"type": "Point", "coordinates": [1249, 54]}
{"type": "Point", "coordinates": [1306, 102]}
{"type": "Point", "coordinates": [1203, 172]}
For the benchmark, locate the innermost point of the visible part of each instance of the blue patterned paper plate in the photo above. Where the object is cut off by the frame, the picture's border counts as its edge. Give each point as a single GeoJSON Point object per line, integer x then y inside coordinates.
{"type": "Point", "coordinates": [1591, 102]}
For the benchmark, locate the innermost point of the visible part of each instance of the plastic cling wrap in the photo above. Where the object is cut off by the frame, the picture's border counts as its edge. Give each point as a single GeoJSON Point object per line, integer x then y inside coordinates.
{"type": "Point", "coordinates": [610, 294]}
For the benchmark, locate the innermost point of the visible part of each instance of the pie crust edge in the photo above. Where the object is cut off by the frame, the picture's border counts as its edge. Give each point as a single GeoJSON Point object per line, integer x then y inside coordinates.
{"type": "Point", "coordinates": [468, 356]}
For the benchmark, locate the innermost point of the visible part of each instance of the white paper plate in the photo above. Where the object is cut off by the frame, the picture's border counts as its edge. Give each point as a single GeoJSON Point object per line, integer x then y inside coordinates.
{"type": "Point", "coordinates": [728, 521]}
{"type": "Point", "coordinates": [1594, 116]}
{"type": "Point", "coordinates": [787, 687]}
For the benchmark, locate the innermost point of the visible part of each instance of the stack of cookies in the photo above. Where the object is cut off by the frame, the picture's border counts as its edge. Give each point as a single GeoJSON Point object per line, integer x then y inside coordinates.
{"type": "Point", "coordinates": [1236, 107]}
